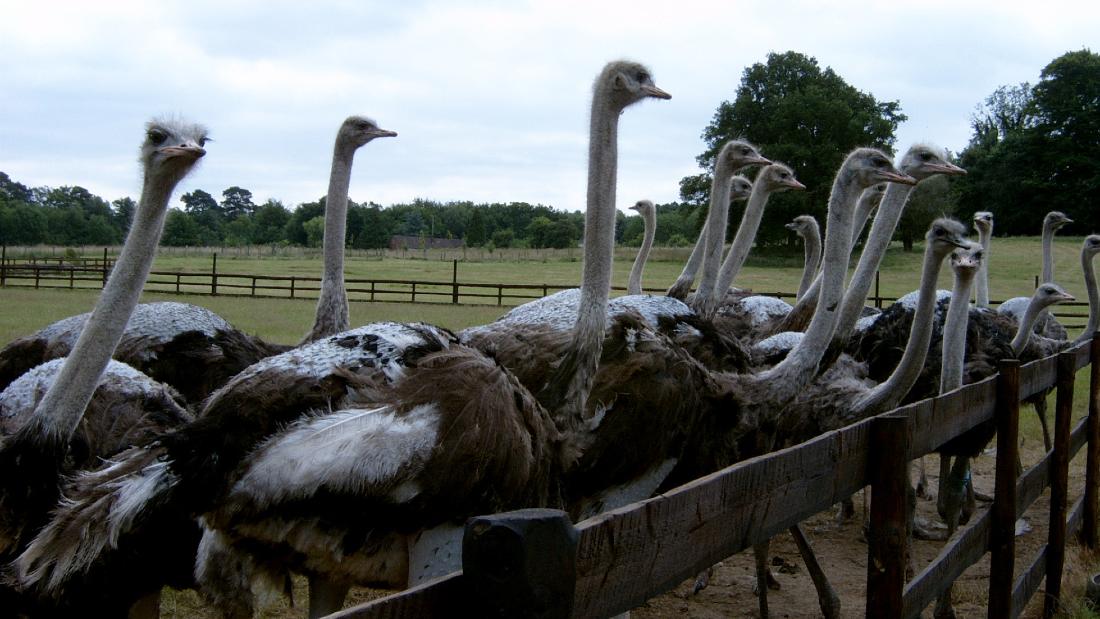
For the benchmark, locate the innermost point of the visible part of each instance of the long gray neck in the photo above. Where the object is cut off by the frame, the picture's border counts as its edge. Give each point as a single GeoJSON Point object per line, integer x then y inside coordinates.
{"type": "Point", "coordinates": [634, 286]}
{"type": "Point", "coordinates": [863, 213]}
{"type": "Point", "coordinates": [1027, 325]}
{"type": "Point", "coordinates": [63, 405]}
{"type": "Point", "coordinates": [680, 288]}
{"type": "Point", "coordinates": [887, 394]}
{"type": "Point", "coordinates": [800, 365]}
{"type": "Point", "coordinates": [742, 243]}
{"type": "Point", "coordinates": [1094, 298]}
{"type": "Point", "coordinates": [982, 284]}
{"type": "Point", "coordinates": [954, 333]}
{"type": "Point", "coordinates": [882, 230]}
{"type": "Point", "coordinates": [812, 242]}
{"type": "Point", "coordinates": [332, 304]}
{"type": "Point", "coordinates": [1048, 252]}
{"type": "Point", "coordinates": [717, 217]}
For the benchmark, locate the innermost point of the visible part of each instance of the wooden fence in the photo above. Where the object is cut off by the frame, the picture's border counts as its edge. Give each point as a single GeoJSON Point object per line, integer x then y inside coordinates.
{"type": "Point", "coordinates": [536, 563]}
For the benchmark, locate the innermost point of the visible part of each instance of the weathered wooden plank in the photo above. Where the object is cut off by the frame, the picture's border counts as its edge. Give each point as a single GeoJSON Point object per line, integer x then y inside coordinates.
{"type": "Point", "coordinates": [1078, 438]}
{"type": "Point", "coordinates": [1089, 535]}
{"type": "Point", "coordinates": [1076, 517]}
{"type": "Point", "coordinates": [1037, 376]}
{"type": "Point", "coordinates": [962, 551]}
{"type": "Point", "coordinates": [886, 544]}
{"type": "Point", "coordinates": [1032, 483]}
{"type": "Point", "coordinates": [1084, 354]}
{"type": "Point", "coordinates": [1028, 582]}
{"type": "Point", "coordinates": [443, 597]}
{"type": "Point", "coordinates": [1059, 483]}
{"type": "Point", "coordinates": [936, 420]}
{"type": "Point", "coordinates": [711, 518]}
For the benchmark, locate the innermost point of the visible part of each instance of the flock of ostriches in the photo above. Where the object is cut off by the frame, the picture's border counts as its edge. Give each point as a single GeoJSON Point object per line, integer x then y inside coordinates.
{"type": "Point", "coordinates": [203, 457]}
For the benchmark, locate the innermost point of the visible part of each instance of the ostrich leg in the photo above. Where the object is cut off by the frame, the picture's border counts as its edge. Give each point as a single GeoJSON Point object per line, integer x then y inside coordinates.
{"type": "Point", "coordinates": [325, 596]}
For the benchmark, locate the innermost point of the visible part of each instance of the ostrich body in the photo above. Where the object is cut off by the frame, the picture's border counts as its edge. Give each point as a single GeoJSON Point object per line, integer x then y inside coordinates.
{"type": "Point", "coordinates": [983, 223]}
{"type": "Point", "coordinates": [411, 396]}
{"type": "Point", "coordinates": [740, 189]}
{"type": "Point", "coordinates": [180, 344]}
{"type": "Point", "coordinates": [332, 303]}
{"type": "Point", "coordinates": [646, 209]}
{"type": "Point", "coordinates": [40, 449]}
{"type": "Point", "coordinates": [805, 226]}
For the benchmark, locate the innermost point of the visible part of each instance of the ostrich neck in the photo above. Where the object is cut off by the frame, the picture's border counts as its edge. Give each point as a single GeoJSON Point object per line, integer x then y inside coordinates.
{"type": "Point", "coordinates": [889, 213]}
{"type": "Point", "coordinates": [742, 243]}
{"type": "Point", "coordinates": [799, 367]}
{"type": "Point", "coordinates": [1094, 298]}
{"type": "Point", "coordinates": [63, 405]}
{"type": "Point", "coordinates": [682, 285]}
{"type": "Point", "coordinates": [859, 220]}
{"type": "Point", "coordinates": [1048, 253]}
{"type": "Point", "coordinates": [717, 216]}
{"type": "Point", "coordinates": [1027, 324]}
{"type": "Point", "coordinates": [332, 304]}
{"type": "Point", "coordinates": [954, 333]}
{"type": "Point", "coordinates": [982, 283]}
{"type": "Point", "coordinates": [812, 243]}
{"type": "Point", "coordinates": [634, 286]}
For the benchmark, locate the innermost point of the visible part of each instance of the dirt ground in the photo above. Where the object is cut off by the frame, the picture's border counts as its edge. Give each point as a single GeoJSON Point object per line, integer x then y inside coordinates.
{"type": "Point", "coordinates": [841, 551]}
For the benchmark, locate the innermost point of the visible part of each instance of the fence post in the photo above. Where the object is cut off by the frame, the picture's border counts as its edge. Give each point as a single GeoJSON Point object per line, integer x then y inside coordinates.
{"type": "Point", "coordinates": [72, 276]}
{"type": "Point", "coordinates": [291, 286]}
{"type": "Point", "coordinates": [878, 297]}
{"type": "Point", "coordinates": [3, 265]}
{"type": "Point", "coordinates": [214, 276]}
{"type": "Point", "coordinates": [521, 563]}
{"type": "Point", "coordinates": [886, 549]}
{"type": "Point", "coordinates": [36, 274]}
{"type": "Point", "coordinates": [1059, 483]}
{"type": "Point", "coordinates": [500, 294]}
{"type": "Point", "coordinates": [372, 290]}
{"type": "Point", "coordinates": [413, 299]}
{"type": "Point", "coordinates": [1002, 540]}
{"type": "Point", "coordinates": [253, 285]}
{"type": "Point", "coordinates": [454, 282]}
{"type": "Point", "coordinates": [104, 266]}
{"type": "Point", "coordinates": [1092, 460]}
{"type": "Point", "coordinates": [177, 283]}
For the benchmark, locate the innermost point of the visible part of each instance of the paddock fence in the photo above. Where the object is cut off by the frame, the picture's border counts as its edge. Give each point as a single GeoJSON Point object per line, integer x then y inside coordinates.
{"type": "Point", "coordinates": [536, 563]}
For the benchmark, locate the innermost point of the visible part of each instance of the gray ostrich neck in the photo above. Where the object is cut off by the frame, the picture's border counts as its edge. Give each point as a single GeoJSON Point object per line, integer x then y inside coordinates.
{"type": "Point", "coordinates": [715, 229]}
{"type": "Point", "coordinates": [882, 230]}
{"type": "Point", "coordinates": [812, 243]}
{"type": "Point", "coordinates": [634, 286]}
{"type": "Point", "coordinates": [63, 405]}
{"type": "Point", "coordinates": [888, 393]}
{"type": "Point", "coordinates": [682, 285]}
{"type": "Point", "coordinates": [742, 243]}
{"type": "Point", "coordinates": [859, 220]}
{"type": "Point", "coordinates": [331, 316]}
{"type": "Point", "coordinates": [799, 367]}
{"type": "Point", "coordinates": [1048, 252]}
{"type": "Point", "coordinates": [982, 284]}
{"type": "Point", "coordinates": [1027, 324]}
{"type": "Point", "coordinates": [1094, 299]}
{"type": "Point", "coordinates": [954, 333]}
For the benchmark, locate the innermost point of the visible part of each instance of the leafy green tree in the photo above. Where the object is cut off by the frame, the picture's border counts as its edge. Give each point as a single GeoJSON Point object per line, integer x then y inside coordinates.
{"type": "Point", "coordinates": [198, 201]}
{"type": "Point", "coordinates": [12, 192]}
{"type": "Point", "coordinates": [239, 232]}
{"type": "Point", "coordinates": [22, 224]}
{"type": "Point", "coordinates": [269, 222]}
{"type": "Point", "coordinates": [504, 237]}
{"type": "Point", "coordinates": [124, 213]}
{"type": "Point", "coordinates": [930, 199]}
{"type": "Point", "coordinates": [475, 230]}
{"type": "Point", "coordinates": [295, 230]}
{"type": "Point", "coordinates": [237, 202]}
{"type": "Point", "coordinates": [315, 231]}
{"type": "Point", "coordinates": [374, 229]}
{"type": "Point", "coordinates": [804, 116]}
{"type": "Point", "coordinates": [180, 230]}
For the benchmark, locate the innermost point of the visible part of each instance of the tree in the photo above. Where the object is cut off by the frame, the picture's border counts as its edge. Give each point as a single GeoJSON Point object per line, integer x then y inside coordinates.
{"type": "Point", "coordinates": [930, 199]}
{"type": "Point", "coordinates": [475, 229]}
{"type": "Point", "coordinates": [295, 232]}
{"type": "Point", "coordinates": [237, 202]}
{"type": "Point", "coordinates": [22, 224]}
{"type": "Point", "coordinates": [806, 117]}
{"type": "Point", "coordinates": [124, 212]}
{"type": "Point", "coordinates": [315, 231]}
{"type": "Point", "coordinates": [269, 222]}
{"type": "Point", "coordinates": [180, 230]}
{"type": "Point", "coordinates": [12, 192]}
{"type": "Point", "coordinates": [198, 201]}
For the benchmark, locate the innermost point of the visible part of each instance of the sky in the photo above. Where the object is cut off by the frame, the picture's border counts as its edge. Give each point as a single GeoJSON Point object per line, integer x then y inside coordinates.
{"type": "Point", "coordinates": [490, 99]}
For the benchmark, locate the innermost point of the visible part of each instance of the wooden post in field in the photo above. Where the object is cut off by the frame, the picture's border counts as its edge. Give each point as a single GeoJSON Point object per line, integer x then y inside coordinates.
{"type": "Point", "coordinates": [214, 276]}
{"type": "Point", "coordinates": [521, 563]}
{"type": "Point", "coordinates": [454, 282]}
{"type": "Point", "coordinates": [1059, 483]}
{"type": "Point", "coordinates": [105, 269]}
{"type": "Point", "coordinates": [1002, 534]}
{"type": "Point", "coordinates": [878, 296]}
{"type": "Point", "coordinates": [413, 299]}
{"type": "Point", "coordinates": [3, 265]}
{"type": "Point", "coordinates": [1092, 458]}
{"type": "Point", "coordinates": [291, 286]}
{"type": "Point", "coordinates": [886, 549]}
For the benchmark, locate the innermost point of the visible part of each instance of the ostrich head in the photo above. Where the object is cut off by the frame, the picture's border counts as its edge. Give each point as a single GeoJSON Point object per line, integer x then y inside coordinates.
{"type": "Point", "coordinates": [737, 154]}
{"type": "Point", "coordinates": [1092, 245]}
{"type": "Point", "coordinates": [945, 235]}
{"type": "Point", "coordinates": [357, 131]}
{"type": "Point", "coordinates": [924, 160]}
{"type": "Point", "coordinates": [740, 188]}
{"type": "Point", "coordinates": [983, 222]}
{"type": "Point", "coordinates": [625, 82]}
{"type": "Point", "coordinates": [873, 195]}
{"type": "Point", "coordinates": [1055, 220]}
{"type": "Point", "coordinates": [1050, 294]}
{"type": "Point", "coordinates": [171, 148]}
{"type": "Point", "coordinates": [645, 208]}
{"type": "Point", "coordinates": [801, 225]}
{"type": "Point", "coordinates": [778, 177]}
{"type": "Point", "coordinates": [870, 166]}
{"type": "Point", "coordinates": [966, 261]}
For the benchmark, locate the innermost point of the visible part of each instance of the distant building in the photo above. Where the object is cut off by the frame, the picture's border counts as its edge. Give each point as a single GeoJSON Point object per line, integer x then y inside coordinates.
{"type": "Point", "coordinates": [398, 241]}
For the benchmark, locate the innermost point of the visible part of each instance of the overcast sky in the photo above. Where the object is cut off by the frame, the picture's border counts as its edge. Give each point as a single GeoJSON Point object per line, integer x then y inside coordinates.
{"type": "Point", "coordinates": [490, 99]}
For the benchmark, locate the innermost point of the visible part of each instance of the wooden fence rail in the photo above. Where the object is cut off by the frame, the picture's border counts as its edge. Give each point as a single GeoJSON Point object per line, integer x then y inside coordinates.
{"type": "Point", "coordinates": [625, 556]}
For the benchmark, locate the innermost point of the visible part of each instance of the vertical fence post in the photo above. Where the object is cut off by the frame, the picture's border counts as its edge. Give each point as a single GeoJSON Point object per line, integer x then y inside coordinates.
{"type": "Point", "coordinates": [37, 273]}
{"type": "Point", "coordinates": [413, 298]}
{"type": "Point", "coordinates": [878, 297]}
{"type": "Point", "coordinates": [291, 286]}
{"type": "Point", "coordinates": [454, 282]}
{"type": "Point", "coordinates": [3, 265]}
{"type": "Point", "coordinates": [1092, 460]}
{"type": "Point", "coordinates": [177, 283]}
{"type": "Point", "coordinates": [105, 269]}
{"type": "Point", "coordinates": [500, 294]}
{"type": "Point", "coordinates": [1059, 483]}
{"type": "Point", "coordinates": [214, 276]}
{"type": "Point", "coordinates": [372, 290]}
{"type": "Point", "coordinates": [253, 285]}
{"type": "Point", "coordinates": [72, 276]}
{"type": "Point", "coordinates": [1002, 540]}
{"type": "Point", "coordinates": [888, 465]}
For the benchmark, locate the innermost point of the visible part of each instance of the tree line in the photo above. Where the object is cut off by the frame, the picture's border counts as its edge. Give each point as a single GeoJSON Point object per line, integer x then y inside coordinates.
{"type": "Point", "coordinates": [1033, 148]}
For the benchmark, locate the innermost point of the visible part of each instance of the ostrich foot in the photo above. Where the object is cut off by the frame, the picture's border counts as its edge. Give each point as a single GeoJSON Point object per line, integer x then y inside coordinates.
{"type": "Point", "coordinates": [929, 532]}
{"type": "Point", "coordinates": [702, 581]}
{"type": "Point", "coordinates": [846, 512]}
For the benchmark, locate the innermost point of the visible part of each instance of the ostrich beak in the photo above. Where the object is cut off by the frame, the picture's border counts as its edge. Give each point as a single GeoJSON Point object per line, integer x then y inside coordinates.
{"type": "Point", "coordinates": [793, 184]}
{"type": "Point", "coordinates": [791, 226]}
{"type": "Point", "coordinates": [385, 133]}
{"type": "Point", "coordinates": [192, 151]}
{"type": "Point", "coordinates": [1065, 297]}
{"type": "Point", "coordinates": [946, 168]}
{"type": "Point", "coordinates": [653, 91]}
{"type": "Point", "coordinates": [898, 177]}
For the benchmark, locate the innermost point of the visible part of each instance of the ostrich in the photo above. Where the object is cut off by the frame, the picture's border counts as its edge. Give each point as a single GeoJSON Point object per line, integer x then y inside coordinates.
{"type": "Point", "coordinates": [646, 209]}
{"type": "Point", "coordinates": [1089, 250]}
{"type": "Point", "coordinates": [740, 189]}
{"type": "Point", "coordinates": [806, 227]}
{"type": "Point", "coordinates": [51, 432]}
{"type": "Point", "coordinates": [409, 407]}
{"type": "Point", "coordinates": [921, 161]}
{"type": "Point", "coordinates": [983, 223]}
{"type": "Point", "coordinates": [332, 303]}
{"type": "Point", "coordinates": [868, 202]}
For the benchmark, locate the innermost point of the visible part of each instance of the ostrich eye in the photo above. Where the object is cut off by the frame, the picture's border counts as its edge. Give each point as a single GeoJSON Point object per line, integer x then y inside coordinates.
{"type": "Point", "coordinates": [926, 156]}
{"type": "Point", "coordinates": [203, 141]}
{"type": "Point", "coordinates": [939, 231]}
{"type": "Point", "coordinates": [977, 255]}
{"type": "Point", "coordinates": [157, 137]}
